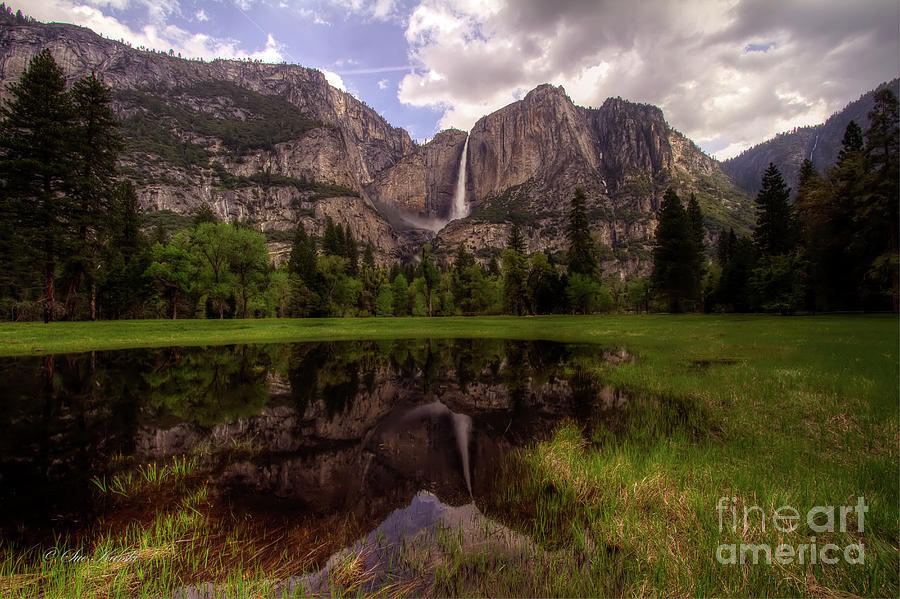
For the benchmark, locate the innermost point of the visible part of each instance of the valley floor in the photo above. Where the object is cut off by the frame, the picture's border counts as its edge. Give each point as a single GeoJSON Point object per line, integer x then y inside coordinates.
{"type": "Point", "coordinates": [728, 416]}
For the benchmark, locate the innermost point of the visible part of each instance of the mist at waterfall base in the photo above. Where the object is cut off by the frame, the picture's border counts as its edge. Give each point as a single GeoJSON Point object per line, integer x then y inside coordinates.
{"type": "Point", "coordinates": [349, 430]}
{"type": "Point", "coordinates": [459, 209]}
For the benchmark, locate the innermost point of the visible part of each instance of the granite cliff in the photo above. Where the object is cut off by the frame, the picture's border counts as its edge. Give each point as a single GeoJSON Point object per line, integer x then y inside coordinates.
{"type": "Point", "coordinates": [277, 145]}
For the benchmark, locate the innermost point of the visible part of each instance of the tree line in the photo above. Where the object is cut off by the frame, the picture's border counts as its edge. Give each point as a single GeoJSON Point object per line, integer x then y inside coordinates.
{"type": "Point", "coordinates": [72, 244]}
{"type": "Point", "coordinates": [835, 248]}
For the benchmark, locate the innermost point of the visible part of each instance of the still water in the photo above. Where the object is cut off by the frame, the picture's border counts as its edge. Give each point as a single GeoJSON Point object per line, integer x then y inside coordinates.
{"type": "Point", "coordinates": [288, 432]}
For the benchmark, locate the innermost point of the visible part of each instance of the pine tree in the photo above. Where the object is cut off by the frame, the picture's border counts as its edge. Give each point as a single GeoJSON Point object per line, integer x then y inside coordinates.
{"type": "Point", "coordinates": [332, 239]}
{"type": "Point", "coordinates": [778, 279]}
{"type": "Point", "coordinates": [430, 273]}
{"type": "Point", "coordinates": [351, 253]}
{"type": "Point", "coordinates": [97, 144]}
{"type": "Point", "coordinates": [400, 291]}
{"type": "Point", "coordinates": [515, 241]}
{"type": "Point", "coordinates": [37, 162]}
{"type": "Point", "coordinates": [204, 214]}
{"type": "Point", "coordinates": [736, 256]}
{"type": "Point", "coordinates": [698, 237]}
{"type": "Point", "coordinates": [843, 249]}
{"type": "Point", "coordinates": [675, 254]}
{"type": "Point", "coordinates": [582, 254]}
{"type": "Point", "coordinates": [515, 274]}
{"type": "Point", "coordinates": [302, 261]}
{"type": "Point", "coordinates": [776, 227]}
{"type": "Point", "coordinates": [852, 141]}
{"type": "Point", "coordinates": [877, 213]}
{"type": "Point", "coordinates": [125, 257]}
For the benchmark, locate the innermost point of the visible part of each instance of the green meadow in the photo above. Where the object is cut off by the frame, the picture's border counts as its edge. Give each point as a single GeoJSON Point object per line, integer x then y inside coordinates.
{"type": "Point", "coordinates": [762, 411]}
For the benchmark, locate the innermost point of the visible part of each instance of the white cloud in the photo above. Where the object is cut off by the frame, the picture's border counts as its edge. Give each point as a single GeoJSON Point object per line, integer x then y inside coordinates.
{"type": "Point", "coordinates": [159, 36]}
{"type": "Point", "coordinates": [334, 80]}
{"type": "Point", "coordinates": [307, 14]}
{"type": "Point", "coordinates": [271, 53]}
{"type": "Point", "coordinates": [201, 16]}
{"type": "Point", "coordinates": [743, 68]}
{"type": "Point", "coordinates": [380, 10]}
{"type": "Point", "coordinates": [383, 84]}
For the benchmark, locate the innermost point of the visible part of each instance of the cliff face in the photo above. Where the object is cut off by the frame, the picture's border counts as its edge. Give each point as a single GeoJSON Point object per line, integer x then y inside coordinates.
{"type": "Point", "coordinates": [527, 159]}
{"type": "Point", "coordinates": [371, 143]}
{"type": "Point", "coordinates": [231, 157]}
{"type": "Point", "coordinates": [277, 145]}
{"type": "Point", "coordinates": [423, 182]}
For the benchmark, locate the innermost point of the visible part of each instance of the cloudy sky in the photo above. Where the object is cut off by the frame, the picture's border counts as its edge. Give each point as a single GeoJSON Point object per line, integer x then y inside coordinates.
{"type": "Point", "coordinates": [727, 73]}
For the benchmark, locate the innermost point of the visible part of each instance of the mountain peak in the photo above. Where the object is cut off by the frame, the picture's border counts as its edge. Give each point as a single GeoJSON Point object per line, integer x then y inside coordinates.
{"type": "Point", "coordinates": [547, 91]}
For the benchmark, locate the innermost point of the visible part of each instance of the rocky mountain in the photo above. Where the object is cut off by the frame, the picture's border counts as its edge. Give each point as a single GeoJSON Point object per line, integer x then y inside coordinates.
{"type": "Point", "coordinates": [274, 144]}
{"type": "Point", "coordinates": [820, 143]}
{"type": "Point", "coordinates": [525, 161]}
{"type": "Point", "coordinates": [277, 145]}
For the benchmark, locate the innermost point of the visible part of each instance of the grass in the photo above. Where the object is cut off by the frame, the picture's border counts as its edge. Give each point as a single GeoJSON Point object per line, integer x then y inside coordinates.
{"type": "Point", "coordinates": [704, 336]}
{"type": "Point", "coordinates": [764, 411]}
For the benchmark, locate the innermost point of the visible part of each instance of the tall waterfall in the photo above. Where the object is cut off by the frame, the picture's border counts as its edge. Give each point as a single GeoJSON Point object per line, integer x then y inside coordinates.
{"type": "Point", "coordinates": [460, 209]}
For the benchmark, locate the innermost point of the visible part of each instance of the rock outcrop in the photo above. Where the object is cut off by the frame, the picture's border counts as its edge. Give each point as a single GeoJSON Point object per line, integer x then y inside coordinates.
{"type": "Point", "coordinates": [526, 160]}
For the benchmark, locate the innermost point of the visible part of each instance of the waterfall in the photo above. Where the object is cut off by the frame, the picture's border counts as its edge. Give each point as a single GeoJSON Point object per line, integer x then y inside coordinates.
{"type": "Point", "coordinates": [460, 210]}
{"type": "Point", "coordinates": [462, 427]}
{"type": "Point", "coordinates": [462, 430]}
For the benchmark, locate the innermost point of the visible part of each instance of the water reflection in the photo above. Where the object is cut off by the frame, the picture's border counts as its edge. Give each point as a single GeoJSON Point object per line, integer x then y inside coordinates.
{"type": "Point", "coordinates": [314, 428]}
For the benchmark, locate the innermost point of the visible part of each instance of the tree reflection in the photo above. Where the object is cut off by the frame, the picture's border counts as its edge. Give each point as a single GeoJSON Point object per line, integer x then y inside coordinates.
{"type": "Point", "coordinates": [212, 385]}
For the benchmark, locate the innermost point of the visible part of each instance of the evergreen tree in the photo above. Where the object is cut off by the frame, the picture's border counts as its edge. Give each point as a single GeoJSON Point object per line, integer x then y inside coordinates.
{"type": "Point", "coordinates": [125, 257]}
{"type": "Point", "coordinates": [778, 279]}
{"type": "Point", "coordinates": [515, 274]}
{"type": "Point", "coordinates": [811, 207]}
{"type": "Point", "coordinates": [675, 254]}
{"type": "Point", "coordinates": [351, 253]}
{"type": "Point", "coordinates": [97, 144]}
{"type": "Point", "coordinates": [493, 269]}
{"type": "Point", "coordinates": [369, 257]}
{"type": "Point", "coordinates": [430, 273]}
{"type": "Point", "coordinates": [332, 239]}
{"type": "Point", "coordinates": [776, 227]}
{"type": "Point", "coordinates": [302, 262]}
{"type": "Point", "coordinates": [736, 256]}
{"type": "Point", "coordinates": [400, 291]}
{"type": "Point", "coordinates": [582, 253]}
{"type": "Point", "coordinates": [839, 259]}
{"type": "Point", "coordinates": [37, 163]}
{"type": "Point", "coordinates": [698, 238]}
{"type": "Point", "coordinates": [852, 141]}
{"type": "Point", "coordinates": [372, 278]}
{"type": "Point", "coordinates": [515, 241]}
{"type": "Point", "coordinates": [877, 214]}
{"type": "Point", "coordinates": [545, 289]}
